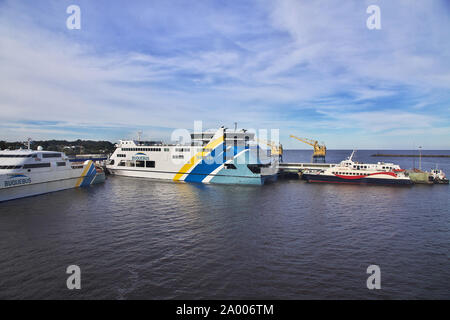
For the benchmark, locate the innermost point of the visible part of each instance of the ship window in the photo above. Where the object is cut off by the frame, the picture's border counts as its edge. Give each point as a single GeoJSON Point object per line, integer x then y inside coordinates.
{"type": "Point", "coordinates": [177, 156]}
{"type": "Point", "coordinates": [130, 163]}
{"type": "Point", "coordinates": [10, 167]}
{"type": "Point", "coordinates": [150, 164]}
{"type": "Point", "coordinates": [16, 155]}
{"type": "Point", "coordinates": [230, 166]}
{"type": "Point", "coordinates": [166, 149]}
{"type": "Point", "coordinates": [51, 155]}
{"type": "Point", "coordinates": [182, 150]}
{"type": "Point", "coordinates": [140, 163]}
{"type": "Point", "coordinates": [61, 164]}
{"type": "Point", "coordinates": [121, 164]}
{"type": "Point", "coordinates": [121, 155]}
{"type": "Point", "coordinates": [36, 165]}
{"type": "Point", "coordinates": [254, 168]}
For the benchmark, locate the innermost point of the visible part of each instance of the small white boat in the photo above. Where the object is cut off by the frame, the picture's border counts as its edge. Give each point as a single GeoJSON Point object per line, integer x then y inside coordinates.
{"type": "Point", "coordinates": [438, 176]}
{"type": "Point", "coordinates": [25, 173]}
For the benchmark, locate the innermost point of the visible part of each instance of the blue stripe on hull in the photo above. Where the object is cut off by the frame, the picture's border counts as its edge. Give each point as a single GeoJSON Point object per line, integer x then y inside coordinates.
{"type": "Point", "coordinates": [204, 168]}
{"type": "Point", "coordinates": [89, 176]}
{"type": "Point", "coordinates": [334, 179]}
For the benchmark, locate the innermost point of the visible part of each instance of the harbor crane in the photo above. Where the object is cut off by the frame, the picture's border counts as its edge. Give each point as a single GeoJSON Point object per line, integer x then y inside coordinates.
{"type": "Point", "coordinates": [319, 150]}
{"type": "Point", "coordinates": [275, 149]}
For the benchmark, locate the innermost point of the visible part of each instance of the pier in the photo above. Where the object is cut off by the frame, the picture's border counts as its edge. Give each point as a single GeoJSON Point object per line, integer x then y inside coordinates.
{"type": "Point", "coordinates": [411, 155]}
{"type": "Point", "coordinates": [296, 167]}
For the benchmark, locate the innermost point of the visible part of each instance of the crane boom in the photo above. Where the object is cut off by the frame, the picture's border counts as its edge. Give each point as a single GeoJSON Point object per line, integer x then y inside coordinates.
{"type": "Point", "coordinates": [319, 150]}
{"type": "Point", "coordinates": [275, 149]}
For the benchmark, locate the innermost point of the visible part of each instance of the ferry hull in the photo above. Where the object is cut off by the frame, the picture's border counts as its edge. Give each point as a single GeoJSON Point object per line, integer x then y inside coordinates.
{"type": "Point", "coordinates": [366, 181]}
{"type": "Point", "coordinates": [36, 187]}
{"type": "Point", "coordinates": [201, 178]}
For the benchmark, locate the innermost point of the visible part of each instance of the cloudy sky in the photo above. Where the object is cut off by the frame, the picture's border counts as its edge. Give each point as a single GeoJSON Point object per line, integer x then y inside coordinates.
{"type": "Point", "coordinates": [309, 68]}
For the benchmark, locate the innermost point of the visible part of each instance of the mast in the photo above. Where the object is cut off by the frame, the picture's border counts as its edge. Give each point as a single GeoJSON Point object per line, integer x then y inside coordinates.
{"type": "Point", "coordinates": [28, 143]}
{"type": "Point", "coordinates": [351, 156]}
{"type": "Point", "coordinates": [420, 157]}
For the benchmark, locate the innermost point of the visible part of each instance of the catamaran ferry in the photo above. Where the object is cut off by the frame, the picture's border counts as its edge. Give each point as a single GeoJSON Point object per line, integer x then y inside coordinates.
{"type": "Point", "coordinates": [25, 173]}
{"type": "Point", "coordinates": [226, 157]}
{"type": "Point", "coordinates": [351, 172]}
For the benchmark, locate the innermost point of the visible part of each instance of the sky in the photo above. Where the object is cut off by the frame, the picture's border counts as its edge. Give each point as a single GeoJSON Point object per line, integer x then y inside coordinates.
{"type": "Point", "coordinates": [308, 68]}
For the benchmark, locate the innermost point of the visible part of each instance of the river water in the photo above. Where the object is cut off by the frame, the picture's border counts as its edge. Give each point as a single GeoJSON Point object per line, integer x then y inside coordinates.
{"type": "Point", "coordinates": [147, 239]}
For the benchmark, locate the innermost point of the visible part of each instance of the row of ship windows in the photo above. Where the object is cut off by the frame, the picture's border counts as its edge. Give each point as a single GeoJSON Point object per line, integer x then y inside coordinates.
{"type": "Point", "coordinates": [152, 164]}
{"type": "Point", "coordinates": [138, 163]}
{"type": "Point", "coordinates": [351, 173]}
{"type": "Point", "coordinates": [175, 156]}
{"type": "Point", "coordinates": [165, 149]}
{"type": "Point", "coordinates": [144, 149]}
{"type": "Point", "coordinates": [34, 165]}
{"type": "Point", "coordinates": [18, 155]}
{"type": "Point", "coordinates": [365, 167]}
{"type": "Point", "coordinates": [31, 155]}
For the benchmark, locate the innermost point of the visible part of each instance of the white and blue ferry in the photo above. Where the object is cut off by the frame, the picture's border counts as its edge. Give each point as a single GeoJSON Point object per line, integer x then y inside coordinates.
{"type": "Point", "coordinates": [224, 157]}
{"type": "Point", "coordinates": [27, 172]}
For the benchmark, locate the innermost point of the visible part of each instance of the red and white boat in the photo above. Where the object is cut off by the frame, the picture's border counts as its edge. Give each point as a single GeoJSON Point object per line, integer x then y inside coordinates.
{"type": "Point", "coordinates": [351, 172]}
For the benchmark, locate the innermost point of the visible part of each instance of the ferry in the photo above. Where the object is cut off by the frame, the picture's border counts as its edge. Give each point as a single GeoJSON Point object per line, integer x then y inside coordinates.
{"type": "Point", "coordinates": [26, 172]}
{"type": "Point", "coordinates": [351, 172]}
{"type": "Point", "coordinates": [223, 157]}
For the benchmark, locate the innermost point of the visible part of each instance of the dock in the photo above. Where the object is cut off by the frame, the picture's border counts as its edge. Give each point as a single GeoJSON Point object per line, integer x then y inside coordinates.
{"type": "Point", "coordinates": [298, 167]}
{"type": "Point", "coordinates": [411, 155]}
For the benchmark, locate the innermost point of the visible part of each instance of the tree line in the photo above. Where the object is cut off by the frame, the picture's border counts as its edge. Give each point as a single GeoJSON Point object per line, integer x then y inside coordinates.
{"type": "Point", "coordinates": [69, 147]}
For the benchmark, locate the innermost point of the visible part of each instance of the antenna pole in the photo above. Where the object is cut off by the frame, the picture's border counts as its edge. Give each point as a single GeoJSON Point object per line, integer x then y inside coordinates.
{"type": "Point", "coordinates": [420, 157]}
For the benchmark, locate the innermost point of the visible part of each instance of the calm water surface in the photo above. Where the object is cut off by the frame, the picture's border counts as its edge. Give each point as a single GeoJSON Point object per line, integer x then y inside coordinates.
{"type": "Point", "coordinates": [136, 238]}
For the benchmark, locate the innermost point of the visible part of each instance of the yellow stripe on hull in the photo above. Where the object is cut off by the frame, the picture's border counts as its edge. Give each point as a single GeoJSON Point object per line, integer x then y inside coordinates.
{"type": "Point", "coordinates": [197, 158]}
{"type": "Point", "coordinates": [85, 171]}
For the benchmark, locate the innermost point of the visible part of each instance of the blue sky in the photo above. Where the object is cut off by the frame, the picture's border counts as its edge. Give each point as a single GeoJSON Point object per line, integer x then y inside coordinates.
{"type": "Point", "coordinates": [309, 68]}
